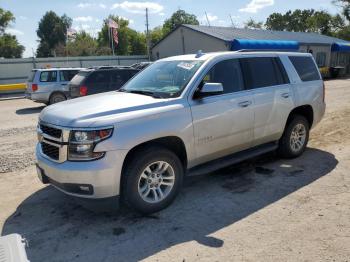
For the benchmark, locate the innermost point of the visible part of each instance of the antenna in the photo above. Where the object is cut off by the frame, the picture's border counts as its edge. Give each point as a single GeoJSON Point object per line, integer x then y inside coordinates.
{"type": "Point", "coordinates": [147, 35]}
{"type": "Point", "coordinates": [207, 18]}
{"type": "Point", "coordinates": [233, 24]}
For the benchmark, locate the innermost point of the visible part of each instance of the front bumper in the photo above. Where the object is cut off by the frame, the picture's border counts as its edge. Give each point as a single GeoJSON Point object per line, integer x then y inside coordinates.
{"type": "Point", "coordinates": [93, 179]}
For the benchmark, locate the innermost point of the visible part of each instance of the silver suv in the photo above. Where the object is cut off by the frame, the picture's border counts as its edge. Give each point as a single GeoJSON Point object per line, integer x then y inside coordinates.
{"type": "Point", "coordinates": [183, 115]}
{"type": "Point", "coordinates": [50, 86]}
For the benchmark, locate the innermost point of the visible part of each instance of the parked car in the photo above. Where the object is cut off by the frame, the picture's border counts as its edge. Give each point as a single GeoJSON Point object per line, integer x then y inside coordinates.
{"type": "Point", "coordinates": [50, 86]}
{"type": "Point", "coordinates": [183, 115]}
{"type": "Point", "coordinates": [100, 79]}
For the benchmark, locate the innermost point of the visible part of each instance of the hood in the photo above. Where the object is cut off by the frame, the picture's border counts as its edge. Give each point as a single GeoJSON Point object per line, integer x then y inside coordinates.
{"type": "Point", "coordinates": [101, 109]}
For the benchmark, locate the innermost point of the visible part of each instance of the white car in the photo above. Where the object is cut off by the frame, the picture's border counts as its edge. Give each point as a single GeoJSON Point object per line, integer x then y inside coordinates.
{"type": "Point", "coordinates": [182, 115]}
{"type": "Point", "coordinates": [50, 86]}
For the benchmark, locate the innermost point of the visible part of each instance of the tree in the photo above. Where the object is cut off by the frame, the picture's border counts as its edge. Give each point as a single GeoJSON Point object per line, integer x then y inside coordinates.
{"type": "Point", "coordinates": [178, 18]}
{"type": "Point", "coordinates": [131, 42]}
{"type": "Point", "coordinates": [156, 34]}
{"type": "Point", "coordinates": [83, 45]}
{"type": "Point", "coordinates": [295, 21]}
{"type": "Point", "coordinates": [345, 4]}
{"type": "Point", "coordinates": [9, 46]}
{"type": "Point", "coordinates": [307, 20]}
{"type": "Point", "coordinates": [6, 17]}
{"type": "Point", "coordinates": [251, 24]}
{"type": "Point", "coordinates": [52, 32]}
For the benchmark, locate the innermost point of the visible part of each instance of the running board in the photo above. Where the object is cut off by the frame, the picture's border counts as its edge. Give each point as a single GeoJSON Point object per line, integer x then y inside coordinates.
{"type": "Point", "coordinates": [231, 159]}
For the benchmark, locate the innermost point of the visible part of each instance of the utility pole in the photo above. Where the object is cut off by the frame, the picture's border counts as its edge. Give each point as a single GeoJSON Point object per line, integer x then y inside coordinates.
{"type": "Point", "coordinates": [147, 36]}
{"type": "Point", "coordinates": [207, 18]}
{"type": "Point", "coordinates": [112, 37]}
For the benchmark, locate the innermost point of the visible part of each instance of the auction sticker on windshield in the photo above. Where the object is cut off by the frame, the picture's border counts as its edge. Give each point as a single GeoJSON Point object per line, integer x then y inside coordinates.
{"type": "Point", "coordinates": [186, 65]}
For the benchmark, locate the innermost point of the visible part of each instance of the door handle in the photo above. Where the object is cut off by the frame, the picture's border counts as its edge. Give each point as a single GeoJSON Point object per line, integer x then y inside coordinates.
{"type": "Point", "coordinates": [285, 95]}
{"type": "Point", "coordinates": [245, 103]}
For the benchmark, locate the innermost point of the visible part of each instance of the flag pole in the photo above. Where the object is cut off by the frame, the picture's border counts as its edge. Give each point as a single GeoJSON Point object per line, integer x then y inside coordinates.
{"type": "Point", "coordinates": [112, 38]}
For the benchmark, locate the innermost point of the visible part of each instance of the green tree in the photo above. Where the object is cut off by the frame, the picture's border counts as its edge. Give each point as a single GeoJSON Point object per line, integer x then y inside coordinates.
{"type": "Point", "coordinates": [9, 46]}
{"type": "Point", "coordinates": [6, 17]}
{"type": "Point", "coordinates": [178, 18]}
{"type": "Point", "coordinates": [83, 45]}
{"type": "Point", "coordinates": [131, 42]}
{"type": "Point", "coordinates": [251, 24]}
{"type": "Point", "coordinates": [345, 4]}
{"type": "Point", "coordinates": [156, 34]}
{"type": "Point", "coordinates": [52, 32]}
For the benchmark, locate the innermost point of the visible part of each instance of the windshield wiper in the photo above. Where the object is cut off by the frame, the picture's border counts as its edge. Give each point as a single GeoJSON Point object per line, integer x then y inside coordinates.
{"type": "Point", "coordinates": [141, 92]}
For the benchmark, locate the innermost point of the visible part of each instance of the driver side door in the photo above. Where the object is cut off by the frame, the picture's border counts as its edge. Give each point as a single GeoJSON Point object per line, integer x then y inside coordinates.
{"type": "Point", "coordinates": [223, 123]}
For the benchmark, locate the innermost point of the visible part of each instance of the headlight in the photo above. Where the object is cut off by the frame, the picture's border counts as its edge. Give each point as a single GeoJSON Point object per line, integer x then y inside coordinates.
{"type": "Point", "coordinates": [82, 144]}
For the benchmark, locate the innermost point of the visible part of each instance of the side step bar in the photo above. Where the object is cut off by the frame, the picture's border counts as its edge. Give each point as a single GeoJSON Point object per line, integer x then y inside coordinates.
{"type": "Point", "coordinates": [231, 159]}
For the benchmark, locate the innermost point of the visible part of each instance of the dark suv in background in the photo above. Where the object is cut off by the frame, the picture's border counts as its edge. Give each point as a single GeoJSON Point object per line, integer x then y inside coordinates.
{"type": "Point", "coordinates": [100, 79]}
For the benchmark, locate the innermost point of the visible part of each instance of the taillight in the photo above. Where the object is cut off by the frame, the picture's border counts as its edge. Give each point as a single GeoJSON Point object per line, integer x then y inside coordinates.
{"type": "Point", "coordinates": [83, 90]}
{"type": "Point", "coordinates": [324, 93]}
{"type": "Point", "coordinates": [34, 87]}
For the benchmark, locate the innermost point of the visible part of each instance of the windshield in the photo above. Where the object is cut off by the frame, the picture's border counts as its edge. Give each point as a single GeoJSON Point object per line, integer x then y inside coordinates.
{"type": "Point", "coordinates": [78, 78]}
{"type": "Point", "coordinates": [163, 79]}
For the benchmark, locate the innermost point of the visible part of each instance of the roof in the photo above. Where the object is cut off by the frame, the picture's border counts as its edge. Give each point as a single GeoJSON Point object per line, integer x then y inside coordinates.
{"type": "Point", "coordinates": [210, 55]}
{"type": "Point", "coordinates": [231, 33]}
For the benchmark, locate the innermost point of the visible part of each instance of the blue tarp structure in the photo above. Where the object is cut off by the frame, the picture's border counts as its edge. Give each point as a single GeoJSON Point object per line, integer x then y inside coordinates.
{"type": "Point", "coordinates": [341, 47]}
{"type": "Point", "coordinates": [246, 44]}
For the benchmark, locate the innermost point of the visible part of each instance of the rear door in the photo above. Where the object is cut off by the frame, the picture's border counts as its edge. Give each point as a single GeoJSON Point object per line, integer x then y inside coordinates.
{"type": "Point", "coordinates": [273, 99]}
{"type": "Point", "coordinates": [48, 81]}
{"type": "Point", "coordinates": [99, 82]}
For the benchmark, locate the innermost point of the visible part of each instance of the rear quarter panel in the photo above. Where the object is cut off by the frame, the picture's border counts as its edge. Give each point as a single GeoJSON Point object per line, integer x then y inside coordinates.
{"type": "Point", "coordinates": [306, 93]}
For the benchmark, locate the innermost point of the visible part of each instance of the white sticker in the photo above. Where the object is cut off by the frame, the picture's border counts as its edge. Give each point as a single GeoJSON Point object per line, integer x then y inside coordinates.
{"type": "Point", "coordinates": [187, 66]}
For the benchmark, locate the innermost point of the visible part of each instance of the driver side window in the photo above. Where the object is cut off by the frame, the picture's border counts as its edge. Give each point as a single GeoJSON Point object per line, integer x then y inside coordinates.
{"type": "Point", "coordinates": [228, 73]}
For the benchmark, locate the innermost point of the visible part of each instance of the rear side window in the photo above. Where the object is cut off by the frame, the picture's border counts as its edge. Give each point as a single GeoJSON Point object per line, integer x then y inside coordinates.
{"type": "Point", "coordinates": [263, 72]}
{"type": "Point", "coordinates": [99, 77]}
{"type": "Point", "coordinates": [48, 76]}
{"type": "Point", "coordinates": [228, 73]}
{"type": "Point", "coordinates": [31, 76]}
{"type": "Point", "coordinates": [67, 75]}
{"type": "Point", "coordinates": [305, 68]}
{"type": "Point", "coordinates": [79, 78]}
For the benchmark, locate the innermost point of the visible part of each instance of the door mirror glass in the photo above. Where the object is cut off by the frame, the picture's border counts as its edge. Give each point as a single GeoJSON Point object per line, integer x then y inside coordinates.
{"type": "Point", "coordinates": [210, 89]}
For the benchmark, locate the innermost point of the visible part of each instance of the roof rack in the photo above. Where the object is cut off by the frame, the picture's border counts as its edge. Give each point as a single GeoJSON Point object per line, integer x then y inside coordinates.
{"type": "Point", "coordinates": [266, 50]}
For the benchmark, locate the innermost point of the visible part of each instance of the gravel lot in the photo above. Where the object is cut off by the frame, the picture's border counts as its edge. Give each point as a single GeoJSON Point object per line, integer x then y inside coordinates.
{"type": "Point", "coordinates": [266, 209]}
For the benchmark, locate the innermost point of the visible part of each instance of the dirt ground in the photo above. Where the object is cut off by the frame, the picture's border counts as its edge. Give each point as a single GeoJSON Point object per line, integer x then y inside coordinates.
{"type": "Point", "coordinates": [266, 209]}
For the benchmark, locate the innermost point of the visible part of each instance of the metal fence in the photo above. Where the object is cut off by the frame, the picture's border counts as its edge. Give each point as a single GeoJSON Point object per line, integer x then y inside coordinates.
{"type": "Point", "coordinates": [17, 70]}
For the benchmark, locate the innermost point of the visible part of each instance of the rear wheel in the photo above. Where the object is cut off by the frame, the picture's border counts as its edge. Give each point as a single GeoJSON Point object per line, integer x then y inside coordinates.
{"type": "Point", "coordinates": [295, 137]}
{"type": "Point", "coordinates": [152, 179]}
{"type": "Point", "coordinates": [56, 98]}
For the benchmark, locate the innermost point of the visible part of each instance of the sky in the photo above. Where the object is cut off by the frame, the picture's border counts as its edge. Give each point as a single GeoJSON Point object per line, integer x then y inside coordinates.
{"type": "Point", "coordinates": [89, 14]}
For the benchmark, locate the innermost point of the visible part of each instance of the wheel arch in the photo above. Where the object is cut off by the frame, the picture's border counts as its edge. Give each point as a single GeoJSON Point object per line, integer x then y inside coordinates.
{"type": "Point", "coordinates": [172, 143]}
{"type": "Point", "coordinates": [305, 111]}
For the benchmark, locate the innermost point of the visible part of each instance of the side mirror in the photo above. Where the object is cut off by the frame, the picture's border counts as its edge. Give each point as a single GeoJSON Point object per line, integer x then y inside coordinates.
{"type": "Point", "coordinates": [209, 89]}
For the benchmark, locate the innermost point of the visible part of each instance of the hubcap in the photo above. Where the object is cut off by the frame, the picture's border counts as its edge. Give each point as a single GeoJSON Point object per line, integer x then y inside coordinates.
{"type": "Point", "coordinates": [156, 182]}
{"type": "Point", "coordinates": [298, 137]}
{"type": "Point", "coordinates": [58, 99]}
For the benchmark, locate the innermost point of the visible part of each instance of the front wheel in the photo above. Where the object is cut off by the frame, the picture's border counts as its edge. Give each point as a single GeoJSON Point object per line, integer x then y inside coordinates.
{"type": "Point", "coordinates": [295, 137]}
{"type": "Point", "coordinates": [152, 179]}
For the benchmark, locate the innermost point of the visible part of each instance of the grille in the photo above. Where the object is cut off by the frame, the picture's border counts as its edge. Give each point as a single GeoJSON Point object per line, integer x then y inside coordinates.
{"type": "Point", "coordinates": [51, 131]}
{"type": "Point", "coordinates": [51, 151]}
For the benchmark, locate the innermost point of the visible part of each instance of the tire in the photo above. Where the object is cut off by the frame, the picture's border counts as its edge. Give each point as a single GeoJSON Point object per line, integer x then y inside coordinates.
{"type": "Point", "coordinates": [138, 181]}
{"type": "Point", "coordinates": [288, 148]}
{"type": "Point", "coordinates": [56, 98]}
